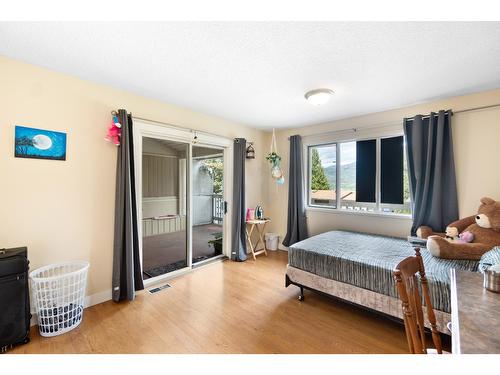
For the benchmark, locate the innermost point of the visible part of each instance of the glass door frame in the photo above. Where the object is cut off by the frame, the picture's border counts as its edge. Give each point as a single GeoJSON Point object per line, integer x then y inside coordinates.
{"type": "Point", "coordinates": [224, 198]}
{"type": "Point", "coordinates": [149, 129]}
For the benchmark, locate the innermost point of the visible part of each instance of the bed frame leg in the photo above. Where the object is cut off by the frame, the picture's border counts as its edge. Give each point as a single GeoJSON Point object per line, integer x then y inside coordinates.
{"type": "Point", "coordinates": [301, 296]}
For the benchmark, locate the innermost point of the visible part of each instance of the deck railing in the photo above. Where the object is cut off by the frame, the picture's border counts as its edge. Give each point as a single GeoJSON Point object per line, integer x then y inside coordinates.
{"type": "Point", "coordinates": [217, 208]}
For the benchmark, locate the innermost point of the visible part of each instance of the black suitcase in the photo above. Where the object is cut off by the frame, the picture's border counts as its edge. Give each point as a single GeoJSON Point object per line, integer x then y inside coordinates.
{"type": "Point", "coordinates": [15, 313]}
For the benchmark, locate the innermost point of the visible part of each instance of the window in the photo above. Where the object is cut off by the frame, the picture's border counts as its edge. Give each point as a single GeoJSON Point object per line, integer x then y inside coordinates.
{"type": "Point", "coordinates": [372, 176]}
{"type": "Point", "coordinates": [323, 175]}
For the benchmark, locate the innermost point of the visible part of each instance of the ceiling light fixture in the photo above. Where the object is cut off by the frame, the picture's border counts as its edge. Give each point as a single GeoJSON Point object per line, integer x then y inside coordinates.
{"type": "Point", "coordinates": [319, 96]}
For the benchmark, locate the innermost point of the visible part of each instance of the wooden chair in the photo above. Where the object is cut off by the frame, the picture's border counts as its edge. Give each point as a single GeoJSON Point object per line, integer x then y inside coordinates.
{"type": "Point", "coordinates": [405, 274]}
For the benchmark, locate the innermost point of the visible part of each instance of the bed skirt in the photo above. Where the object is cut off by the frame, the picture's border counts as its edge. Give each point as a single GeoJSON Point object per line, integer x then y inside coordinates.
{"type": "Point", "coordinates": [379, 302]}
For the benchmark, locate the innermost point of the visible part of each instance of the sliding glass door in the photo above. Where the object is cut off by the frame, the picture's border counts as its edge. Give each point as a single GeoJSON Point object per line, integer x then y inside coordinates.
{"type": "Point", "coordinates": [164, 206]}
{"type": "Point", "coordinates": [207, 170]}
{"type": "Point", "coordinates": [183, 185]}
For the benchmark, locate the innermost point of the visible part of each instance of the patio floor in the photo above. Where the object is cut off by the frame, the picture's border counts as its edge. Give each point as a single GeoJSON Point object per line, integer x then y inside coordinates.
{"type": "Point", "coordinates": [170, 248]}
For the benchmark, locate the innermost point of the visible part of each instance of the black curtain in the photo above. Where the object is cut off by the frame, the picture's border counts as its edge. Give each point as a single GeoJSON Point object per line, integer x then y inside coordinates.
{"type": "Point", "coordinates": [431, 170]}
{"type": "Point", "coordinates": [127, 275]}
{"type": "Point", "coordinates": [239, 242]}
{"type": "Point", "coordinates": [296, 228]}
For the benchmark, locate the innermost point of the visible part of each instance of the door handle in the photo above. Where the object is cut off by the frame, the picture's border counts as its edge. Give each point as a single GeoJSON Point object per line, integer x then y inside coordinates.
{"type": "Point", "coordinates": [225, 207]}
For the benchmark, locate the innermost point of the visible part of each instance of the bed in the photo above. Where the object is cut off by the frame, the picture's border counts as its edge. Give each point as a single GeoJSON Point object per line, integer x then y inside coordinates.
{"type": "Point", "coordinates": [357, 268]}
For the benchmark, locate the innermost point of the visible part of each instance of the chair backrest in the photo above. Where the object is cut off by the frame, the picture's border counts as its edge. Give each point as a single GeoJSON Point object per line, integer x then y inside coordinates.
{"type": "Point", "coordinates": [405, 274]}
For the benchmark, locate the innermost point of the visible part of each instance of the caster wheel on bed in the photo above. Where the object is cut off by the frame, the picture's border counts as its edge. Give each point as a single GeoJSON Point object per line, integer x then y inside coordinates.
{"type": "Point", "coordinates": [301, 296]}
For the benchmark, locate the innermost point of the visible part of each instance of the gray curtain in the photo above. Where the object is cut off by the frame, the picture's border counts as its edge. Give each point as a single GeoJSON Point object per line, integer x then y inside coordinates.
{"type": "Point", "coordinates": [127, 275]}
{"type": "Point", "coordinates": [239, 243]}
{"type": "Point", "coordinates": [296, 229]}
{"type": "Point", "coordinates": [431, 170]}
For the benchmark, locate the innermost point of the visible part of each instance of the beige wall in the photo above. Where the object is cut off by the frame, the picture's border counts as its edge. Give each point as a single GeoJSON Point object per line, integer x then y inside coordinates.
{"type": "Point", "coordinates": [64, 210]}
{"type": "Point", "coordinates": [476, 138]}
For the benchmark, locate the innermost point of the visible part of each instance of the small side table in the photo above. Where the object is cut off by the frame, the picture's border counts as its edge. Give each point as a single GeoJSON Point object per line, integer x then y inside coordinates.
{"type": "Point", "coordinates": [261, 226]}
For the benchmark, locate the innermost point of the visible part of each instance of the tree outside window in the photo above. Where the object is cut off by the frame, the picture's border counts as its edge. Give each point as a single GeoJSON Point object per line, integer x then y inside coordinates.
{"type": "Point", "coordinates": [215, 168]}
{"type": "Point", "coordinates": [318, 176]}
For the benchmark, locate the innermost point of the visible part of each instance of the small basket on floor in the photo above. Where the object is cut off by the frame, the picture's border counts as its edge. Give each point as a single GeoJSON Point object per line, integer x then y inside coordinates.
{"type": "Point", "coordinates": [59, 293]}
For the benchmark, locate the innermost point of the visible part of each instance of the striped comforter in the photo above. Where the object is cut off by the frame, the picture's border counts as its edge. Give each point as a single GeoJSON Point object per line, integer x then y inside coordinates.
{"type": "Point", "coordinates": [367, 261]}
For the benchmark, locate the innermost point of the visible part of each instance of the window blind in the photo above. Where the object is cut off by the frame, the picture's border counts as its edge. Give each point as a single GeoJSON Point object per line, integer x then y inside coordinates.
{"type": "Point", "coordinates": [366, 164]}
{"type": "Point", "coordinates": [391, 170]}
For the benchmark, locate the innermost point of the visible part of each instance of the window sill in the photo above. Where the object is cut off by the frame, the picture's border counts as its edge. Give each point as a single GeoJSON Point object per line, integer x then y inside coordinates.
{"type": "Point", "coordinates": [336, 211]}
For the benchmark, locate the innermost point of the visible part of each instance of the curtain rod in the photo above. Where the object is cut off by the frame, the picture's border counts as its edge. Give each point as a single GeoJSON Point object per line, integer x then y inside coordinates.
{"type": "Point", "coordinates": [388, 124]}
{"type": "Point", "coordinates": [378, 126]}
{"type": "Point", "coordinates": [465, 110]}
{"type": "Point", "coordinates": [166, 124]}
{"type": "Point", "coordinates": [448, 111]}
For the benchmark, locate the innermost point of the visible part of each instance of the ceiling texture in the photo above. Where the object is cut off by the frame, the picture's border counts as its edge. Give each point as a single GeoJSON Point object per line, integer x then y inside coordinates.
{"type": "Point", "coordinates": [257, 73]}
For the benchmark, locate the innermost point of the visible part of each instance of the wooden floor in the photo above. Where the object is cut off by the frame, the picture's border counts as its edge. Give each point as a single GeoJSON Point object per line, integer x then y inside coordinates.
{"type": "Point", "coordinates": [227, 307]}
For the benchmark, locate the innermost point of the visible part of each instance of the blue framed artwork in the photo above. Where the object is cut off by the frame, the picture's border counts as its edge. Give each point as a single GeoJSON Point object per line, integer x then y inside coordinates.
{"type": "Point", "coordinates": [39, 144]}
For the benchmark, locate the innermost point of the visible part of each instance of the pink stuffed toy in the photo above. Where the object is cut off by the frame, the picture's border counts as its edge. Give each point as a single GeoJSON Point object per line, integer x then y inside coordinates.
{"type": "Point", "coordinates": [464, 237]}
{"type": "Point", "coordinates": [114, 131]}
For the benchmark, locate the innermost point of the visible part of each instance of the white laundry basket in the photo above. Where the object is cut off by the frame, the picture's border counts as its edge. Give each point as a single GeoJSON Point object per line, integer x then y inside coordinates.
{"type": "Point", "coordinates": [272, 240]}
{"type": "Point", "coordinates": [59, 292]}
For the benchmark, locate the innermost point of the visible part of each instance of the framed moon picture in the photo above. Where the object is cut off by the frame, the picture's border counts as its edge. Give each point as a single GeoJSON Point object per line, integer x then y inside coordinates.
{"type": "Point", "coordinates": [39, 144]}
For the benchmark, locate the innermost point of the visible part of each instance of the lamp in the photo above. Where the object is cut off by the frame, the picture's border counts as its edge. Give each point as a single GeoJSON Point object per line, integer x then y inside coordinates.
{"type": "Point", "coordinates": [250, 151]}
{"type": "Point", "coordinates": [319, 96]}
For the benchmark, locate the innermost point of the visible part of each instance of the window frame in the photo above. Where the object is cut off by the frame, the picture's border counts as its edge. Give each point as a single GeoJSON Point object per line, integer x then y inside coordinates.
{"type": "Point", "coordinates": [337, 138]}
{"type": "Point", "coordinates": [308, 177]}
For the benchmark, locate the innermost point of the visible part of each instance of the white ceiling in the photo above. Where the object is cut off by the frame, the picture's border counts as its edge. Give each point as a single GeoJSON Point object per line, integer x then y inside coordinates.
{"type": "Point", "coordinates": [257, 73]}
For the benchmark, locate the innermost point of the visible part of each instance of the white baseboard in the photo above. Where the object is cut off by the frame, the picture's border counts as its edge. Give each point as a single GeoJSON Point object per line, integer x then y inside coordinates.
{"type": "Point", "coordinates": [90, 300]}
{"type": "Point", "coordinates": [97, 298]}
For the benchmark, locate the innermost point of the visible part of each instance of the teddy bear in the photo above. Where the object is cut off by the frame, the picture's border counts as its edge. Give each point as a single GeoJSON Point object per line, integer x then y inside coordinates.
{"type": "Point", "coordinates": [467, 238]}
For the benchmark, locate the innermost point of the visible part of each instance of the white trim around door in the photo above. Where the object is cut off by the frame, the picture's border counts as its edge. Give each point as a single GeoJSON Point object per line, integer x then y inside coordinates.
{"type": "Point", "coordinates": [142, 128]}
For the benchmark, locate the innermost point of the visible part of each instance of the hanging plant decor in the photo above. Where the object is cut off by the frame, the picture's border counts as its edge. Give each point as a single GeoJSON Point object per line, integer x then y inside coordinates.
{"type": "Point", "coordinates": [275, 161]}
{"type": "Point", "coordinates": [273, 158]}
